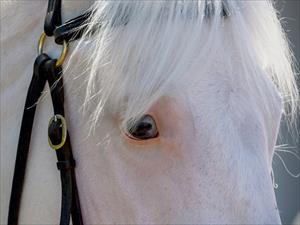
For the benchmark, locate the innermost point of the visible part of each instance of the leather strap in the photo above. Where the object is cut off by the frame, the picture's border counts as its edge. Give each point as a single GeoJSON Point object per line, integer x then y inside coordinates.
{"type": "Point", "coordinates": [70, 201]}
{"type": "Point", "coordinates": [53, 16]}
{"type": "Point", "coordinates": [35, 89]}
{"type": "Point", "coordinates": [72, 29]}
{"type": "Point", "coordinates": [45, 70]}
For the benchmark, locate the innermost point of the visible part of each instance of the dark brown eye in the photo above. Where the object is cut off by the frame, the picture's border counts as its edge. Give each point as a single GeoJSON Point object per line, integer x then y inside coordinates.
{"type": "Point", "coordinates": [144, 128]}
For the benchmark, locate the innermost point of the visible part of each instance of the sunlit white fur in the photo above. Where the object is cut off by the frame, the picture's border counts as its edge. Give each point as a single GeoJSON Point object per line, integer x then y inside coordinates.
{"type": "Point", "coordinates": [213, 84]}
{"type": "Point", "coordinates": [181, 35]}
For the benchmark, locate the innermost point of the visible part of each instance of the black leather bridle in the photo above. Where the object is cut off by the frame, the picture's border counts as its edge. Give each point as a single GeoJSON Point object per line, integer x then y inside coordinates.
{"type": "Point", "coordinates": [49, 70]}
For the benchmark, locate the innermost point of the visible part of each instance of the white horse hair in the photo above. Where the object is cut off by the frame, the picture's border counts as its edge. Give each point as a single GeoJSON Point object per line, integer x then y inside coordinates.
{"type": "Point", "coordinates": [215, 75]}
{"type": "Point", "coordinates": [128, 36]}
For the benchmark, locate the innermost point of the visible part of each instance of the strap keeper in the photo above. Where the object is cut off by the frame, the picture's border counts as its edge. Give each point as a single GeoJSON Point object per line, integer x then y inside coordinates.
{"type": "Point", "coordinates": [66, 165]}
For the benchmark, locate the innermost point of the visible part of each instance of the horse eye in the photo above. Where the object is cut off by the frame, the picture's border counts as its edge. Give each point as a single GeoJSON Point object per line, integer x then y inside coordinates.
{"type": "Point", "coordinates": [145, 128]}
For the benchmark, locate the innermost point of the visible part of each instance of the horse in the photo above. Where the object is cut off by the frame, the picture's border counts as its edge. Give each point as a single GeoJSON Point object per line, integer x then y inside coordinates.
{"type": "Point", "coordinates": [173, 109]}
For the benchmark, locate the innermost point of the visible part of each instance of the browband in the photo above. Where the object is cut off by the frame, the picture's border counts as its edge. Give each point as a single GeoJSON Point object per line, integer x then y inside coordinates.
{"type": "Point", "coordinates": [72, 29]}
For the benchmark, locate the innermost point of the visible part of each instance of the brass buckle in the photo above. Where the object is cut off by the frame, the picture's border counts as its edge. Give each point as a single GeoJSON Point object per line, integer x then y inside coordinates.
{"type": "Point", "coordinates": [63, 53]}
{"type": "Point", "coordinates": [64, 131]}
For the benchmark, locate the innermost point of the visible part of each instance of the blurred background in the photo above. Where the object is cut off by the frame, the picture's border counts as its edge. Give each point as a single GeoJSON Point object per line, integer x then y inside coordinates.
{"type": "Point", "coordinates": [288, 190]}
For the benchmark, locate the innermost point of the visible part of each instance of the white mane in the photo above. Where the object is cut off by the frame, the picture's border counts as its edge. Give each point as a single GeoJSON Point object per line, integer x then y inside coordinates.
{"type": "Point", "coordinates": [139, 50]}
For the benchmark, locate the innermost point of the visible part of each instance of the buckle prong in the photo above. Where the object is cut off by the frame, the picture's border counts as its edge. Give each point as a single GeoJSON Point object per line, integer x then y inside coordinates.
{"type": "Point", "coordinates": [63, 126]}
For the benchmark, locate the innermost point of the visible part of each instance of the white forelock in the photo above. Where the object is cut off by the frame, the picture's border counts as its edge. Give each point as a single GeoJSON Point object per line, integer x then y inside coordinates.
{"type": "Point", "coordinates": [137, 50]}
{"type": "Point", "coordinates": [210, 162]}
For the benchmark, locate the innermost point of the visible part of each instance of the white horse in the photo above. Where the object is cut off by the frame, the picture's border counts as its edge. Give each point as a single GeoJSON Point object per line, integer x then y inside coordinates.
{"type": "Point", "coordinates": [213, 89]}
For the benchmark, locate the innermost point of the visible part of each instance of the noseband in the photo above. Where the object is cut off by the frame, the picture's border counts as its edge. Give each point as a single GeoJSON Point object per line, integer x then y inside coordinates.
{"type": "Point", "coordinates": [49, 70]}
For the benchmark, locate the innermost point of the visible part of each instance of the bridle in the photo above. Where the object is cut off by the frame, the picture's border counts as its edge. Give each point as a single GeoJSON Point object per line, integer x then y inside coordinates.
{"type": "Point", "coordinates": [49, 70]}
